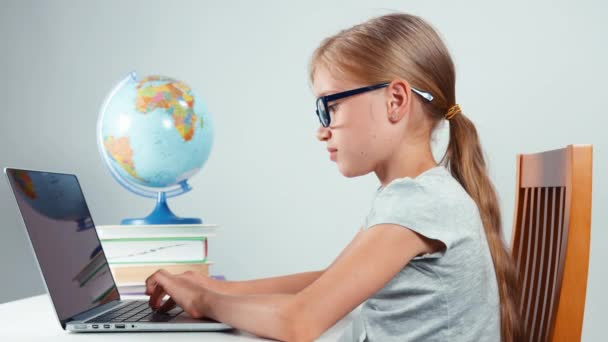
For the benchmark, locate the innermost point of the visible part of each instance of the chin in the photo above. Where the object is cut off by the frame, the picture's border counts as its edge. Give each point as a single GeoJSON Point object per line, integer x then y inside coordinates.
{"type": "Point", "coordinates": [350, 172]}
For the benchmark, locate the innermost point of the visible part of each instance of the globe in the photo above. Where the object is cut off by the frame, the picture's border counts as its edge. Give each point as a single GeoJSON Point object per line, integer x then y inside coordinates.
{"type": "Point", "coordinates": [154, 134]}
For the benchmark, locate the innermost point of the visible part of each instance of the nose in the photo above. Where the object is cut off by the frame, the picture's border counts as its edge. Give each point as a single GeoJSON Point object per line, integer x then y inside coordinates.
{"type": "Point", "coordinates": [323, 133]}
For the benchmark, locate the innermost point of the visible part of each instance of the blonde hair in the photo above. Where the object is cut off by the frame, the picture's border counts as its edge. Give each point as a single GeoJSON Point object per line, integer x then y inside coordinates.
{"type": "Point", "coordinates": [406, 47]}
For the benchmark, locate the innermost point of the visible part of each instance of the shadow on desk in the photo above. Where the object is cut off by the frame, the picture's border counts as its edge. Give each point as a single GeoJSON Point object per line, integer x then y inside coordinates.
{"type": "Point", "coordinates": [33, 318]}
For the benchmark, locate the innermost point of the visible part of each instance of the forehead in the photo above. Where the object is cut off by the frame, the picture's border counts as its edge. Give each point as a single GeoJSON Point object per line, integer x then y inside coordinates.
{"type": "Point", "coordinates": [326, 82]}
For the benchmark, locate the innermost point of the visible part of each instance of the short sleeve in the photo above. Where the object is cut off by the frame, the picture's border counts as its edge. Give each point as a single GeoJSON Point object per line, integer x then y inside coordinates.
{"type": "Point", "coordinates": [425, 208]}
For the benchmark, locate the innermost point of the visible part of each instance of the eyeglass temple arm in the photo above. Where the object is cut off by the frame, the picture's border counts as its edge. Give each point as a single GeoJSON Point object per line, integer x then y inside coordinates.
{"type": "Point", "coordinates": [424, 94]}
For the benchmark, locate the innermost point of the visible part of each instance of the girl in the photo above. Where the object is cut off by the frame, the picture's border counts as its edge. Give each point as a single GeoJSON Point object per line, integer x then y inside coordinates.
{"type": "Point", "coordinates": [429, 263]}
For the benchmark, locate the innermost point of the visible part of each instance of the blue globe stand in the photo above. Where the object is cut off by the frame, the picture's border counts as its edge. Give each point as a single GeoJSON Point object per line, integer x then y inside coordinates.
{"type": "Point", "coordinates": [161, 215]}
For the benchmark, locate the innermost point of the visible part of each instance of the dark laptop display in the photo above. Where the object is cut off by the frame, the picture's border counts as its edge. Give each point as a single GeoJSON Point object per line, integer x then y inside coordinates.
{"type": "Point", "coordinates": [63, 236]}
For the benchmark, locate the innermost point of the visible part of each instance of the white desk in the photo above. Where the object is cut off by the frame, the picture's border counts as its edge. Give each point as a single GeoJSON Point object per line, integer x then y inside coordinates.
{"type": "Point", "coordinates": [33, 319]}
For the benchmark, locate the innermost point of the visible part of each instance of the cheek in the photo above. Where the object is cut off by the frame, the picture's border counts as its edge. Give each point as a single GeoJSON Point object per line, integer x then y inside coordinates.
{"type": "Point", "coordinates": [360, 153]}
{"type": "Point", "coordinates": [361, 139]}
{"type": "Point", "coordinates": [357, 163]}
{"type": "Point", "coordinates": [367, 137]}
{"type": "Point", "coordinates": [375, 147]}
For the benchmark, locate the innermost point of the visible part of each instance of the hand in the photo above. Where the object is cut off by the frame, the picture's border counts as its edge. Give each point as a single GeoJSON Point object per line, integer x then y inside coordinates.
{"type": "Point", "coordinates": [183, 290]}
{"type": "Point", "coordinates": [199, 278]}
{"type": "Point", "coordinates": [207, 282]}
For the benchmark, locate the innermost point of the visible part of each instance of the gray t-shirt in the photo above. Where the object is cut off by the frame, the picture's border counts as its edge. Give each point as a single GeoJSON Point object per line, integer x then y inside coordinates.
{"type": "Point", "coordinates": [450, 295]}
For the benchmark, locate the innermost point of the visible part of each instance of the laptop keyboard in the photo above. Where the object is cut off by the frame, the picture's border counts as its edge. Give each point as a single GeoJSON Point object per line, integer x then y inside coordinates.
{"type": "Point", "coordinates": [134, 311]}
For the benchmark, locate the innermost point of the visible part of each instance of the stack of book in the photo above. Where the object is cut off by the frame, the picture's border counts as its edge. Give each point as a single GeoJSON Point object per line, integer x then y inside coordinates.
{"type": "Point", "coordinates": [135, 252]}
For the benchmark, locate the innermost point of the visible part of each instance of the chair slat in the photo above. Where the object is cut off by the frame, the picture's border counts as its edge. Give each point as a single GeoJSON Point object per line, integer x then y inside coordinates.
{"type": "Point", "coordinates": [542, 269]}
{"type": "Point", "coordinates": [529, 229]}
{"type": "Point", "coordinates": [523, 212]}
{"type": "Point", "coordinates": [551, 261]}
{"type": "Point", "coordinates": [534, 264]}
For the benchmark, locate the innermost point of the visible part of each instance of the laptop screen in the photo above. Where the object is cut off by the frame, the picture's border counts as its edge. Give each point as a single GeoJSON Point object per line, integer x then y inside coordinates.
{"type": "Point", "coordinates": [65, 241]}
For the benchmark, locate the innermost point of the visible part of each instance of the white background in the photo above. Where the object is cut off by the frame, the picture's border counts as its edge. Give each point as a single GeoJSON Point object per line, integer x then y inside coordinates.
{"type": "Point", "coordinates": [531, 75]}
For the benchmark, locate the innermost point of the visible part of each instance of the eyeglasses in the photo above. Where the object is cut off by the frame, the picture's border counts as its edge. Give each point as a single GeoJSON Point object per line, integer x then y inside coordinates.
{"type": "Point", "coordinates": [323, 110]}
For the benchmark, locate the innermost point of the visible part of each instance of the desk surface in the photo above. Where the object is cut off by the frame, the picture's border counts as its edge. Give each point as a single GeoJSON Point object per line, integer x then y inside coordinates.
{"type": "Point", "coordinates": [33, 318]}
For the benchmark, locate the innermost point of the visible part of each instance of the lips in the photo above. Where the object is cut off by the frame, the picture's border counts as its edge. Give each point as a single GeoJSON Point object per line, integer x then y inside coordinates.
{"type": "Point", "coordinates": [333, 152]}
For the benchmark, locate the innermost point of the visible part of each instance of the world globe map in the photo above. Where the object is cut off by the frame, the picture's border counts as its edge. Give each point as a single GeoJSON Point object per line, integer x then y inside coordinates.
{"type": "Point", "coordinates": [154, 134]}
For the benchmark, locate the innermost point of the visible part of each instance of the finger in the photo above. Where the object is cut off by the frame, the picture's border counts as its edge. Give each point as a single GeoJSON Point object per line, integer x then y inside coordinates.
{"type": "Point", "coordinates": [157, 296]}
{"type": "Point", "coordinates": [151, 283]}
{"type": "Point", "coordinates": [150, 288]}
{"type": "Point", "coordinates": [153, 279]}
{"type": "Point", "coordinates": [184, 292]}
{"type": "Point", "coordinates": [165, 284]}
{"type": "Point", "coordinates": [168, 305]}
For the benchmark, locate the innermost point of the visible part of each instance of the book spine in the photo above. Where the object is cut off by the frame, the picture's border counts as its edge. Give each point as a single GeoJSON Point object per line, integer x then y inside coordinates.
{"type": "Point", "coordinates": [139, 273]}
{"type": "Point", "coordinates": [154, 250]}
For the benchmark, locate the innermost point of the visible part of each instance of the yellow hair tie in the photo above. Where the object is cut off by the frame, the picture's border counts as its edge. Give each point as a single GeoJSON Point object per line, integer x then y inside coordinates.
{"type": "Point", "coordinates": [453, 111]}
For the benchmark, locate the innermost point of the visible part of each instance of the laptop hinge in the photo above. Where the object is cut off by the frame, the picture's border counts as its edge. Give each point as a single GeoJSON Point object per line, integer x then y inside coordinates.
{"type": "Point", "coordinates": [94, 311]}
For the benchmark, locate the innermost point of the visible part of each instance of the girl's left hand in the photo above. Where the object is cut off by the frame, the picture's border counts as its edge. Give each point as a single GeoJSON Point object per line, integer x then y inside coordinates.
{"type": "Point", "coordinates": [182, 290]}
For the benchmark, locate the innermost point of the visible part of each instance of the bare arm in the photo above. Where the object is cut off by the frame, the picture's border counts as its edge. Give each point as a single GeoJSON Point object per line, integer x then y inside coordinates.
{"type": "Point", "coordinates": [287, 284]}
{"type": "Point", "coordinates": [352, 278]}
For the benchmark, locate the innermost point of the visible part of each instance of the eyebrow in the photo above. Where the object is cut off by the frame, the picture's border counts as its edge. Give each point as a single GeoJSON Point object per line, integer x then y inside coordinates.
{"type": "Point", "coordinates": [328, 92]}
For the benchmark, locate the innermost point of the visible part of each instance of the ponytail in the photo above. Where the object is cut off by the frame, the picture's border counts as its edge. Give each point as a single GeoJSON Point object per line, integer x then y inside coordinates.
{"type": "Point", "coordinates": [464, 159]}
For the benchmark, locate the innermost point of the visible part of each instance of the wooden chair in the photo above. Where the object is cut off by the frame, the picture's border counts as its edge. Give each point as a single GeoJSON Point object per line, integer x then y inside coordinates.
{"type": "Point", "coordinates": [550, 241]}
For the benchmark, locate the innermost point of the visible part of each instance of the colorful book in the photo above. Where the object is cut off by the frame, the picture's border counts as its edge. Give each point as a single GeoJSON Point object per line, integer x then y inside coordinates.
{"type": "Point", "coordinates": [137, 273]}
{"type": "Point", "coordinates": [145, 231]}
{"type": "Point", "coordinates": [155, 250]}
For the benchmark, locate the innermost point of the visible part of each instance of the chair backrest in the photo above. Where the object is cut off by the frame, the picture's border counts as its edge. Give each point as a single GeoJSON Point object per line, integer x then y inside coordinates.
{"type": "Point", "coordinates": [550, 241]}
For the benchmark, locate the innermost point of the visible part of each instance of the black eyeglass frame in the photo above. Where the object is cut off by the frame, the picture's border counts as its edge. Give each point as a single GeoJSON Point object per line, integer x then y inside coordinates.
{"type": "Point", "coordinates": [325, 118]}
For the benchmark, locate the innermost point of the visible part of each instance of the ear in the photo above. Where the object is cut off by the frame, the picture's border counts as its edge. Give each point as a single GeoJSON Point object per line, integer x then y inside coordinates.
{"type": "Point", "coordinates": [398, 99]}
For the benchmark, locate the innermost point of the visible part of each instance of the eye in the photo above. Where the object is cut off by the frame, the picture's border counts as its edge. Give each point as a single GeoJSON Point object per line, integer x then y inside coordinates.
{"type": "Point", "coordinates": [332, 108]}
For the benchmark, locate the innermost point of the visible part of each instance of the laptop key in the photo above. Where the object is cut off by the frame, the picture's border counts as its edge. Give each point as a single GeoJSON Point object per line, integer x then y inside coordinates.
{"type": "Point", "coordinates": [122, 313]}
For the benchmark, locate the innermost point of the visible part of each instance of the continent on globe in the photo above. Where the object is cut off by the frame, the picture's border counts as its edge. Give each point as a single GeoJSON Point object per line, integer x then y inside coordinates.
{"type": "Point", "coordinates": [120, 150]}
{"type": "Point", "coordinates": [173, 96]}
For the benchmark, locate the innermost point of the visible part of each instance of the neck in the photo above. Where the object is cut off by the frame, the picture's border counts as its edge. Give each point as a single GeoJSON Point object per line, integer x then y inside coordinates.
{"type": "Point", "coordinates": [407, 161]}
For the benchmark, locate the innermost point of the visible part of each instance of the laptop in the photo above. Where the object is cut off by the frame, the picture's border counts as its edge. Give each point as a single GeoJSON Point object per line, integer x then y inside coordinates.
{"type": "Point", "coordinates": [73, 265]}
